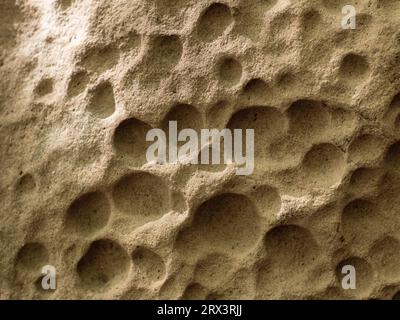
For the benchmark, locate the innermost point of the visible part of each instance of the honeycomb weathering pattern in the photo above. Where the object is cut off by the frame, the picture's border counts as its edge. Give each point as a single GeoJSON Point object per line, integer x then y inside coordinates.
{"type": "Point", "coordinates": [83, 81]}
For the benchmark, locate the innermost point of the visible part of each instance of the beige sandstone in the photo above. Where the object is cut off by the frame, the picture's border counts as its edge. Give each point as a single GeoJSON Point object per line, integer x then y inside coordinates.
{"type": "Point", "coordinates": [82, 81]}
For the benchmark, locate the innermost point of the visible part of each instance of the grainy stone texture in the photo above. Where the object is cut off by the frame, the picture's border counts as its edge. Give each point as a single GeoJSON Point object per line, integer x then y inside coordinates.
{"type": "Point", "coordinates": [83, 81]}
